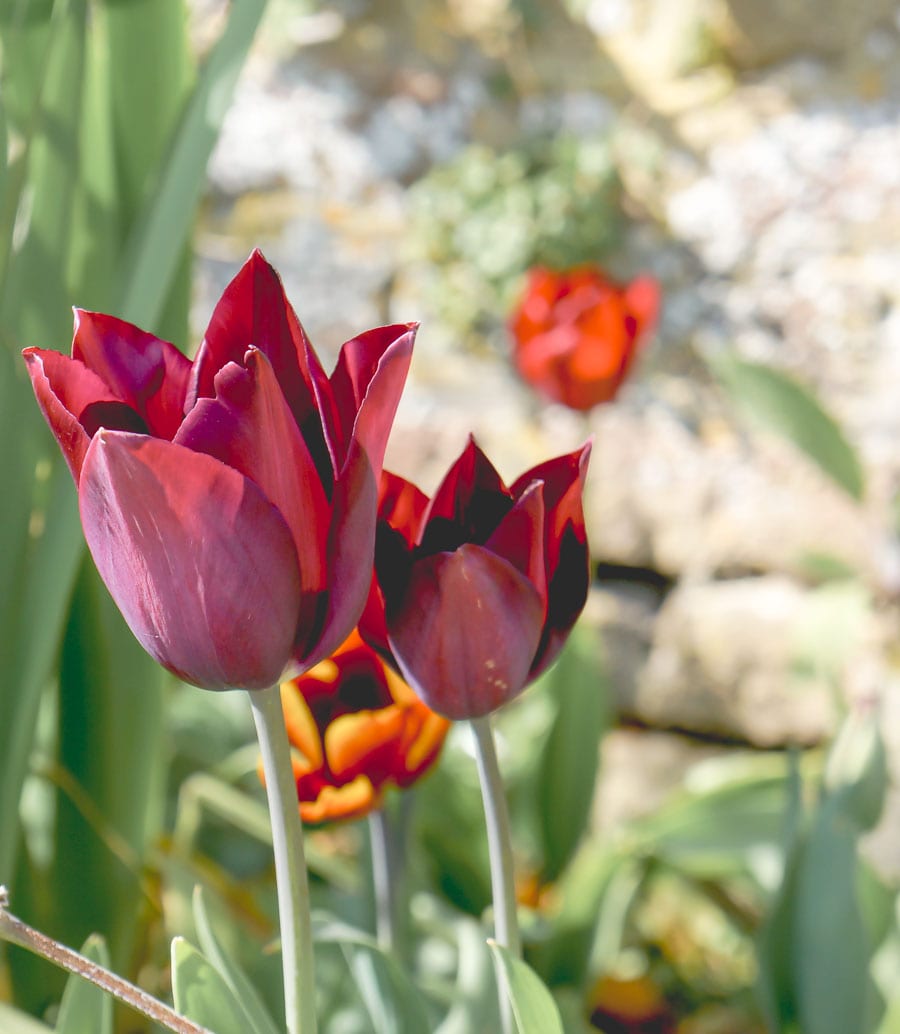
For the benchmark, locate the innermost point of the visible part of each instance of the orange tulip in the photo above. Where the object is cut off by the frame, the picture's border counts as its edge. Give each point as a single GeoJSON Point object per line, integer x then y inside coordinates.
{"type": "Point", "coordinates": [576, 333]}
{"type": "Point", "coordinates": [356, 728]}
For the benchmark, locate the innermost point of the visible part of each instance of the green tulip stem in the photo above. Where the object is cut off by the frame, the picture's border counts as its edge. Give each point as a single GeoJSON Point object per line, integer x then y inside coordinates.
{"type": "Point", "coordinates": [506, 926]}
{"type": "Point", "coordinates": [382, 880]}
{"type": "Point", "coordinates": [291, 879]}
{"type": "Point", "coordinates": [12, 929]}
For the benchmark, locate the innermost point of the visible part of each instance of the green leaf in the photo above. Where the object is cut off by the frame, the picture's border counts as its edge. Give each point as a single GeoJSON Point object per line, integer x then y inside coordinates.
{"type": "Point", "coordinates": [201, 993]}
{"type": "Point", "coordinates": [533, 1006]}
{"type": "Point", "coordinates": [46, 222]}
{"type": "Point", "coordinates": [13, 1021]}
{"type": "Point", "coordinates": [155, 247]}
{"type": "Point", "coordinates": [782, 404]}
{"type": "Point", "coordinates": [597, 891]}
{"type": "Point", "coordinates": [41, 538]}
{"type": "Point", "coordinates": [831, 946]}
{"type": "Point", "coordinates": [390, 997]}
{"type": "Point", "coordinates": [110, 753]}
{"type": "Point", "coordinates": [84, 1006]}
{"type": "Point", "coordinates": [570, 759]}
{"type": "Point", "coordinates": [717, 827]}
{"type": "Point", "coordinates": [856, 775]}
{"type": "Point", "coordinates": [774, 942]}
{"type": "Point", "coordinates": [474, 1008]}
{"type": "Point", "coordinates": [260, 1020]}
{"type": "Point", "coordinates": [152, 85]}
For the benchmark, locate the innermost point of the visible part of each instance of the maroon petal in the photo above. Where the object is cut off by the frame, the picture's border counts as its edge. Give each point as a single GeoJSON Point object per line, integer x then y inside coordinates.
{"type": "Point", "coordinates": [249, 426]}
{"type": "Point", "coordinates": [468, 505]}
{"type": "Point", "coordinates": [563, 478]}
{"type": "Point", "coordinates": [66, 390]}
{"type": "Point", "coordinates": [149, 374]}
{"type": "Point", "coordinates": [466, 631]}
{"type": "Point", "coordinates": [567, 553]}
{"type": "Point", "coordinates": [351, 551]}
{"type": "Point", "coordinates": [366, 386]}
{"type": "Point", "coordinates": [254, 310]}
{"type": "Point", "coordinates": [201, 565]}
{"type": "Point", "coordinates": [519, 538]}
{"type": "Point", "coordinates": [402, 505]}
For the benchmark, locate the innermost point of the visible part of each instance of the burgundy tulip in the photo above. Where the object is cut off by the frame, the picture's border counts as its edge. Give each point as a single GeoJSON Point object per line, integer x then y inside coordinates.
{"type": "Point", "coordinates": [476, 590]}
{"type": "Point", "coordinates": [229, 503]}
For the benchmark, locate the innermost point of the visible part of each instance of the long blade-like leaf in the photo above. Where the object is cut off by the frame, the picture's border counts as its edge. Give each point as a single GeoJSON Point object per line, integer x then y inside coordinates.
{"type": "Point", "coordinates": [153, 256]}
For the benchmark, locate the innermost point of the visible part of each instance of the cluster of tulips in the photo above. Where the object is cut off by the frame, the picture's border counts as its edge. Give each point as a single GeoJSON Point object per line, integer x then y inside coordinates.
{"type": "Point", "coordinates": [237, 510]}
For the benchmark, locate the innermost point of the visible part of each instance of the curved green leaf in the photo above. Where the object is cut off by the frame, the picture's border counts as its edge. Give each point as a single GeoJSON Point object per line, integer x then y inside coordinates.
{"type": "Point", "coordinates": [782, 404]}
{"type": "Point", "coordinates": [390, 997]}
{"type": "Point", "coordinates": [260, 1020]}
{"type": "Point", "coordinates": [570, 759]}
{"type": "Point", "coordinates": [532, 1004]}
{"type": "Point", "coordinates": [84, 1006]}
{"type": "Point", "coordinates": [201, 993]}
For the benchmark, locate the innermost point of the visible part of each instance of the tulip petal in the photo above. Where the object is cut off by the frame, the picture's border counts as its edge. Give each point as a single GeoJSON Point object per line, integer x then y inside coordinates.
{"type": "Point", "coordinates": [402, 505]}
{"type": "Point", "coordinates": [148, 374]}
{"type": "Point", "coordinates": [563, 478]}
{"type": "Point", "coordinates": [351, 552]}
{"type": "Point", "coordinates": [248, 426]}
{"type": "Point", "coordinates": [200, 563]}
{"type": "Point", "coordinates": [468, 505]}
{"type": "Point", "coordinates": [567, 555]}
{"type": "Point", "coordinates": [254, 310]}
{"type": "Point", "coordinates": [366, 387]}
{"type": "Point", "coordinates": [364, 742]}
{"type": "Point", "coordinates": [519, 537]}
{"type": "Point", "coordinates": [72, 396]}
{"type": "Point", "coordinates": [466, 631]}
{"type": "Point", "coordinates": [642, 299]}
{"type": "Point", "coordinates": [351, 801]}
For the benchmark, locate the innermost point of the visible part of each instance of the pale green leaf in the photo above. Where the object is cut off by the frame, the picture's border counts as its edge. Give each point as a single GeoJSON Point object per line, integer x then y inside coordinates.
{"type": "Point", "coordinates": [260, 1020]}
{"type": "Point", "coordinates": [570, 758]}
{"type": "Point", "coordinates": [390, 997]}
{"type": "Point", "coordinates": [782, 404]}
{"type": "Point", "coordinates": [201, 993]}
{"type": "Point", "coordinates": [84, 1007]}
{"type": "Point", "coordinates": [532, 1004]}
{"type": "Point", "coordinates": [12, 1021]}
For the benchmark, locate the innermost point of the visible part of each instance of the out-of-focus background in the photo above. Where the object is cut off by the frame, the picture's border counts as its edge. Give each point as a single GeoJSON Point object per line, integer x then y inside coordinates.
{"type": "Point", "coordinates": [403, 161]}
{"type": "Point", "coordinates": [411, 160]}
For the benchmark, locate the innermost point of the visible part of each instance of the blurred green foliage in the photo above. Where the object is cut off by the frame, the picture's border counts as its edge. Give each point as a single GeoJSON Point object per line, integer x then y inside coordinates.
{"type": "Point", "coordinates": [483, 219]}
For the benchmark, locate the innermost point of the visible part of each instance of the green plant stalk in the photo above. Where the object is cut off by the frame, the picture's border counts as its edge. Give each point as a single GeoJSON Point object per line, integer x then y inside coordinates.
{"type": "Point", "coordinates": [291, 878]}
{"type": "Point", "coordinates": [382, 881]}
{"type": "Point", "coordinates": [15, 931]}
{"type": "Point", "coordinates": [503, 888]}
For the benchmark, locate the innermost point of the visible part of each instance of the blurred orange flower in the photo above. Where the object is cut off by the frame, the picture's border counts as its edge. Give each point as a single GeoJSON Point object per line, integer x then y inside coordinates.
{"type": "Point", "coordinates": [355, 728]}
{"type": "Point", "coordinates": [576, 333]}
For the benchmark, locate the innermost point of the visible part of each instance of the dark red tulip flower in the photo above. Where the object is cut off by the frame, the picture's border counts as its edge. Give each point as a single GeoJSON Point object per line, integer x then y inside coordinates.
{"type": "Point", "coordinates": [477, 589]}
{"type": "Point", "coordinates": [356, 729]}
{"type": "Point", "coordinates": [576, 334]}
{"type": "Point", "coordinates": [229, 503]}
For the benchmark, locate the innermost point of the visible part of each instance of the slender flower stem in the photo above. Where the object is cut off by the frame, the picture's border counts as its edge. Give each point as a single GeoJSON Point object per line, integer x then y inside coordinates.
{"type": "Point", "coordinates": [496, 816]}
{"type": "Point", "coordinates": [290, 865]}
{"type": "Point", "coordinates": [15, 931]}
{"type": "Point", "coordinates": [382, 881]}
